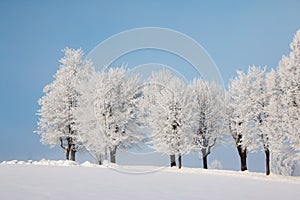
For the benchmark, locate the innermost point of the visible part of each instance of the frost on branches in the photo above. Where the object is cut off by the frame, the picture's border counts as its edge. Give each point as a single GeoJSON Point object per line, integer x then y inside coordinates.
{"type": "Point", "coordinates": [289, 74]}
{"type": "Point", "coordinates": [207, 116]}
{"type": "Point", "coordinates": [168, 115]}
{"type": "Point", "coordinates": [248, 113]}
{"type": "Point", "coordinates": [116, 109]}
{"type": "Point", "coordinates": [279, 147]}
{"type": "Point", "coordinates": [88, 127]}
{"type": "Point", "coordinates": [105, 111]}
{"type": "Point", "coordinates": [256, 137]}
{"type": "Point", "coordinates": [56, 124]}
{"type": "Point", "coordinates": [236, 98]}
{"type": "Point", "coordinates": [285, 106]}
{"type": "Point", "coordinates": [108, 113]}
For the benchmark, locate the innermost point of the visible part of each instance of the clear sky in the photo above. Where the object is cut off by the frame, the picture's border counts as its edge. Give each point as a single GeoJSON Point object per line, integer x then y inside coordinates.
{"type": "Point", "coordinates": [236, 34]}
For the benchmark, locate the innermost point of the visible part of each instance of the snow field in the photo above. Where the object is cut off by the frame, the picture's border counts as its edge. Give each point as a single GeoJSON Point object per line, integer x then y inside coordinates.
{"type": "Point", "coordinates": [47, 179]}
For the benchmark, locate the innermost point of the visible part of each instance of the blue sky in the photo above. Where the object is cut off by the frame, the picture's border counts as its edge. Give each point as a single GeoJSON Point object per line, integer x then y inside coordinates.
{"type": "Point", "coordinates": [236, 34]}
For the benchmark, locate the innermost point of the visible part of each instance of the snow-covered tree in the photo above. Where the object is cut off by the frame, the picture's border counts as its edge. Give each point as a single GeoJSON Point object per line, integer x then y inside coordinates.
{"type": "Point", "coordinates": [255, 135]}
{"type": "Point", "coordinates": [289, 74]}
{"type": "Point", "coordinates": [273, 125]}
{"type": "Point", "coordinates": [215, 164]}
{"type": "Point", "coordinates": [284, 110]}
{"type": "Point", "coordinates": [254, 103]}
{"type": "Point", "coordinates": [56, 124]}
{"type": "Point", "coordinates": [167, 115]}
{"type": "Point", "coordinates": [207, 110]}
{"type": "Point", "coordinates": [236, 99]}
{"type": "Point", "coordinates": [107, 111]}
{"type": "Point", "coordinates": [89, 130]}
{"type": "Point", "coordinates": [246, 111]}
{"type": "Point", "coordinates": [115, 105]}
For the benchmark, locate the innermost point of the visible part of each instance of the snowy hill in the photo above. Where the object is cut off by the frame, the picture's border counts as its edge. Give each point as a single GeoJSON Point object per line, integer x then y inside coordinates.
{"type": "Point", "coordinates": [70, 180]}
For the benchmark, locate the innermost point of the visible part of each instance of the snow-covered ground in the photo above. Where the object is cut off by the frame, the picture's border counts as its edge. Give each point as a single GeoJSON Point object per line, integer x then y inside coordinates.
{"type": "Point", "coordinates": [69, 180]}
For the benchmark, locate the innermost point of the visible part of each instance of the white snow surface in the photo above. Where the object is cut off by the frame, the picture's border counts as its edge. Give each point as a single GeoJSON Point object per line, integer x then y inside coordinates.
{"type": "Point", "coordinates": [57, 180]}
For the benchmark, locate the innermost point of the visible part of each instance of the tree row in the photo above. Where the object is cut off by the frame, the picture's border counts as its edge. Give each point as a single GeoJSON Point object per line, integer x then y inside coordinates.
{"type": "Point", "coordinates": [114, 109]}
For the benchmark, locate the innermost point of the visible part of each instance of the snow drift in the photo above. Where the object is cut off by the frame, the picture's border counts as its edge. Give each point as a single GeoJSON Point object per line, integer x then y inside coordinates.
{"type": "Point", "coordinates": [69, 180]}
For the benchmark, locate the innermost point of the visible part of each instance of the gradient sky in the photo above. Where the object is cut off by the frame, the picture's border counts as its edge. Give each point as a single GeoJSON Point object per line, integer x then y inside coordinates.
{"type": "Point", "coordinates": [236, 34]}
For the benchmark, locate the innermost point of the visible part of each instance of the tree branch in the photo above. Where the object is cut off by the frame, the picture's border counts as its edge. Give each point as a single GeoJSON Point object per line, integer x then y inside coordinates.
{"type": "Point", "coordinates": [62, 144]}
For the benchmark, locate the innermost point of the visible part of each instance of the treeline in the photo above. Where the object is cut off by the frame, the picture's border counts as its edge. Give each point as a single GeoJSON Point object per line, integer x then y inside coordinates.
{"type": "Point", "coordinates": [110, 110]}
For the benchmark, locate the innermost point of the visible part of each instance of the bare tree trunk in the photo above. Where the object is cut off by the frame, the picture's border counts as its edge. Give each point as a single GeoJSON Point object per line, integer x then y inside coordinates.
{"type": "Point", "coordinates": [73, 152]}
{"type": "Point", "coordinates": [205, 162]}
{"type": "Point", "coordinates": [243, 157]}
{"type": "Point", "coordinates": [67, 153]}
{"type": "Point", "coordinates": [242, 151]}
{"type": "Point", "coordinates": [204, 158]}
{"type": "Point", "coordinates": [172, 160]}
{"type": "Point", "coordinates": [99, 158]}
{"type": "Point", "coordinates": [267, 152]}
{"type": "Point", "coordinates": [67, 149]}
{"type": "Point", "coordinates": [113, 152]}
{"type": "Point", "coordinates": [179, 161]}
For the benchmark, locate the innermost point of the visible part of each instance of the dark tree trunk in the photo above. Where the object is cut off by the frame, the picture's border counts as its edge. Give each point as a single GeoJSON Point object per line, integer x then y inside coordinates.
{"type": "Point", "coordinates": [67, 153]}
{"type": "Point", "coordinates": [179, 161]}
{"type": "Point", "coordinates": [67, 149]}
{"type": "Point", "coordinates": [99, 158]}
{"type": "Point", "coordinates": [205, 162]}
{"type": "Point", "coordinates": [113, 152]}
{"type": "Point", "coordinates": [204, 158]}
{"type": "Point", "coordinates": [267, 152]}
{"type": "Point", "coordinates": [73, 153]}
{"type": "Point", "coordinates": [172, 160]}
{"type": "Point", "coordinates": [243, 157]}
